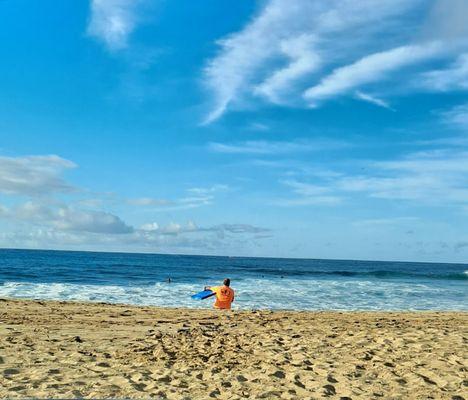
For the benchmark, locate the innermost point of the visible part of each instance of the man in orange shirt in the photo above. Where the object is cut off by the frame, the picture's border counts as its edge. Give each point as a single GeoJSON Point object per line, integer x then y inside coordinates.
{"type": "Point", "coordinates": [224, 295]}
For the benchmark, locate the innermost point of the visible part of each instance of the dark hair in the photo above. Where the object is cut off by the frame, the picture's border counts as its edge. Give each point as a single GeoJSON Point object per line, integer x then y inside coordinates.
{"type": "Point", "coordinates": [227, 282]}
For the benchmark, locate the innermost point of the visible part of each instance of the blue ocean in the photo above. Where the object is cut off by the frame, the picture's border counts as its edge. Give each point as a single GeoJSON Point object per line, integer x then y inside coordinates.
{"type": "Point", "coordinates": [260, 283]}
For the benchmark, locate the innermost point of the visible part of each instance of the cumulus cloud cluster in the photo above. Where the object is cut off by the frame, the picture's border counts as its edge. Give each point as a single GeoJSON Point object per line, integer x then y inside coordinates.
{"type": "Point", "coordinates": [34, 175]}
{"type": "Point", "coordinates": [67, 218]}
{"type": "Point", "coordinates": [46, 219]}
{"type": "Point", "coordinates": [305, 52]}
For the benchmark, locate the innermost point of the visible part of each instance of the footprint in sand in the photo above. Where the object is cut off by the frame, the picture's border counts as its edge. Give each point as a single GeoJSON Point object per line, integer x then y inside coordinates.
{"type": "Point", "coordinates": [279, 374]}
{"type": "Point", "coordinates": [164, 379]}
{"type": "Point", "coordinates": [139, 386]}
{"type": "Point", "coordinates": [329, 390]}
{"type": "Point", "coordinates": [54, 371]}
{"type": "Point", "coordinates": [17, 388]}
{"type": "Point", "coordinates": [103, 365]}
{"type": "Point", "coordinates": [10, 371]}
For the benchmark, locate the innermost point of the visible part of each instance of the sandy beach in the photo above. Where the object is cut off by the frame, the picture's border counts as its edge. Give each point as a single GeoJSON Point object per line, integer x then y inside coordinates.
{"type": "Point", "coordinates": [72, 350]}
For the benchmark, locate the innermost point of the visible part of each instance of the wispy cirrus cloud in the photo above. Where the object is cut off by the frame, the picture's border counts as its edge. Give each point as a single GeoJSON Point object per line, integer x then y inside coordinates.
{"type": "Point", "coordinates": [369, 69]}
{"type": "Point", "coordinates": [308, 194]}
{"type": "Point", "coordinates": [112, 21]}
{"type": "Point", "coordinates": [454, 77]}
{"type": "Point", "coordinates": [373, 100]}
{"type": "Point", "coordinates": [457, 116]}
{"type": "Point", "coordinates": [309, 25]}
{"type": "Point", "coordinates": [149, 202]}
{"type": "Point", "coordinates": [306, 52]}
{"type": "Point", "coordinates": [303, 58]}
{"type": "Point", "coordinates": [435, 178]}
{"type": "Point", "coordinates": [195, 197]}
{"type": "Point", "coordinates": [386, 222]}
{"type": "Point", "coordinates": [270, 147]}
{"type": "Point", "coordinates": [208, 189]}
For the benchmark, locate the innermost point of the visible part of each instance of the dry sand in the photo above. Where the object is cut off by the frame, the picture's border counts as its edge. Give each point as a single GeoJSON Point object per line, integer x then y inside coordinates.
{"type": "Point", "coordinates": [69, 350]}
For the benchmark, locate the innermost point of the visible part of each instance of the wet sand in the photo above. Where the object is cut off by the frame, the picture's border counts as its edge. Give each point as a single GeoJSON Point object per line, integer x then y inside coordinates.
{"type": "Point", "coordinates": [72, 350]}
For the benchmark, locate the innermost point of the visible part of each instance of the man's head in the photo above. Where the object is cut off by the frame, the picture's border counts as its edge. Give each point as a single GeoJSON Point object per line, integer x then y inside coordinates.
{"type": "Point", "coordinates": [227, 282]}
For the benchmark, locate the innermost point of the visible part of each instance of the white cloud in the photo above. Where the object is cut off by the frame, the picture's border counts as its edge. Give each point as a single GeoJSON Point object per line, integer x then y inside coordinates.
{"type": "Point", "coordinates": [266, 147]}
{"type": "Point", "coordinates": [208, 190]}
{"type": "Point", "coordinates": [112, 21]}
{"type": "Point", "coordinates": [176, 229]}
{"type": "Point", "coordinates": [100, 232]}
{"type": "Point", "coordinates": [243, 52]}
{"type": "Point", "coordinates": [4, 211]}
{"type": "Point", "coordinates": [196, 197]}
{"type": "Point", "coordinates": [453, 78]}
{"type": "Point", "coordinates": [182, 203]}
{"type": "Point", "coordinates": [430, 178]}
{"type": "Point", "coordinates": [148, 201]}
{"type": "Point", "coordinates": [172, 229]}
{"type": "Point", "coordinates": [65, 218]}
{"type": "Point", "coordinates": [34, 175]}
{"type": "Point", "coordinates": [47, 222]}
{"type": "Point", "coordinates": [257, 147]}
{"type": "Point", "coordinates": [308, 194]}
{"type": "Point", "coordinates": [436, 161]}
{"type": "Point", "coordinates": [447, 20]}
{"type": "Point", "coordinates": [386, 222]}
{"type": "Point", "coordinates": [457, 116]}
{"type": "Point", "coordinates": [437, 177]}
{"type": "Point", "coordinates": [90, 203]}
{"type": "Point", "coordinates": [151, 226]}
{"type": "Point", "coordinates": [456, 141]}
{"type": "Point", "coordinates": [371, 68]}
{"type": "Point", "coordinates": [304, 60]}
{"type": "Point", "coordinates": [258, 126]}
{"type": "Point", "coordinates": [239, 228]}
{"type": "Point", "coordinates": [373, 100]}
{"type": "Point", "coordinates": [191, 228]}
{"type": "Point", "coordinates": [90, 221]}
{"type": "Point", "coordinates": [289, 41]}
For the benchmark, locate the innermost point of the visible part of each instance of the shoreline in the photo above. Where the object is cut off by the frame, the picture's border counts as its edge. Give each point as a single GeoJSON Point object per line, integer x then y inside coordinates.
{"type": "Point", "coordinates": [209, 307]}
{"type": "Point", "coordinates": [74, 349]}
{"type": "Point", "coordinates": [234, 310]}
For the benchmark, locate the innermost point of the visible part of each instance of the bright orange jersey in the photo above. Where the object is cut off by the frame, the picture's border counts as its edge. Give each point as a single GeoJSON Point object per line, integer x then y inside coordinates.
{"type": "Point", "coordinates": [224, 297]}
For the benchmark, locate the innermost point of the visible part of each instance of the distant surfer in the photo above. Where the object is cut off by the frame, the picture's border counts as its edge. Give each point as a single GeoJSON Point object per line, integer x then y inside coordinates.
{"type": "Point", "coordinates": [224, 295]}
{"type": "Point", "coordinates": [168, 280]}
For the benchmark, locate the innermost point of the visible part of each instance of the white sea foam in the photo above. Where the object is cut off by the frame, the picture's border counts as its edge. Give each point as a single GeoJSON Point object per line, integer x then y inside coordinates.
{"type": "Point", "coordinates": [261, 294]}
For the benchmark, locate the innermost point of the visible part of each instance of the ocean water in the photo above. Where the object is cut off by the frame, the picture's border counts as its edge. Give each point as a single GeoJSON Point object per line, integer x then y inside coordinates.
{"type": "Point", "coordinates": [260, 283]}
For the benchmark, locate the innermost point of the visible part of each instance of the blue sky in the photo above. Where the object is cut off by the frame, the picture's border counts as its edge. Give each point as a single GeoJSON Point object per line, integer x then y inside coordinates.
{"type": "Point", "coordinates": [283, 128]}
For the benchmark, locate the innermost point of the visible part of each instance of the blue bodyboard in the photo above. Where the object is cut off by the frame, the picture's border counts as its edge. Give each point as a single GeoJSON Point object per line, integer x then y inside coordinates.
{"type": "Point", "coordinates": [203, 295]}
